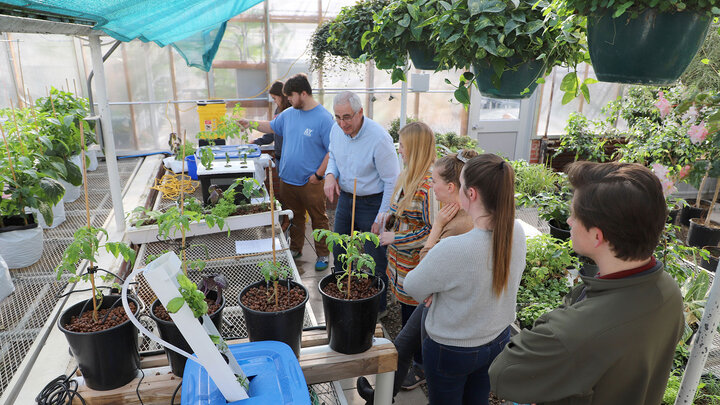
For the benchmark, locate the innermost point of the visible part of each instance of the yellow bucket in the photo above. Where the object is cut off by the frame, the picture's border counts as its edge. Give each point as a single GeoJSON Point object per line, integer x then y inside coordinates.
{"type": "Point", "coordinates": [208, 113]}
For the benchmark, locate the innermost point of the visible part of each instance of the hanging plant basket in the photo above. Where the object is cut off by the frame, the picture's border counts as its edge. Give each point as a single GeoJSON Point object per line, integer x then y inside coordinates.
{"type": "Point", "coordinates": [654, 48]}
{"type": "Point", "coordinates": [422, 56]}
{"type": "Point", "coordinates": [512, 82]}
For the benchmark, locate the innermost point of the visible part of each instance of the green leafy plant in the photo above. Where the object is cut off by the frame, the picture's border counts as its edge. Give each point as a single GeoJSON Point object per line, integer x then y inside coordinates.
{"type": "Point", "coordinates": [398, 26]}
{"type": "Point", "coordinates": [207, 157]}
{"type": "Point", "coordinates": [354, 260]}
{"type": "Point", "coordinates": [62, 103]}
{"type": "Point", "coordinates": [85, 246]}
{"type": "Point", "coordinates": [321, 49]}
{"type": "Point", "coordinates": [544, 284]}
{"type": "Point", "coordinates": [455, 142]}
{"type": "Point", "coordinates": [554, 206]}
{"type": "Point", "coordinates": [190, 295]}
{"type": "Point", "coordinates": [184, 151]}
{"type": "Point", "coordinates": [26, 187]}
{"type": "Point", "coordinates": [228, 127]}
{"type": "Point", "coordinates": [531, 180]}
{"type": "Point", "coordinates": [588, 139]}
{"type": "Point", "coordinates": [504, 34]}
{"type": "Point", "coordinates": [350, 25]}
{"type": "Point", "coordinates": [273, 271]}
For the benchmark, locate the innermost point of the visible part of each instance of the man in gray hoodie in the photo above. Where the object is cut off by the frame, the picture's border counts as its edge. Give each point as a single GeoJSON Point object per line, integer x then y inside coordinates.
{"type": "Point", "coordinates": [613, 340]}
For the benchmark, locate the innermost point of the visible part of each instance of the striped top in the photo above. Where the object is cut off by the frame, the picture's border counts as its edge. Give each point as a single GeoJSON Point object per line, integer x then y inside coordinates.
{"type": "Point", "coordinates": [411, 231]}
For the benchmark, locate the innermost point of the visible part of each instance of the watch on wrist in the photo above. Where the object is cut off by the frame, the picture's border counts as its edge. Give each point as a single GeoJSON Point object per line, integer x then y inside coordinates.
{"type": "Point", "coordinates": [317, 176]}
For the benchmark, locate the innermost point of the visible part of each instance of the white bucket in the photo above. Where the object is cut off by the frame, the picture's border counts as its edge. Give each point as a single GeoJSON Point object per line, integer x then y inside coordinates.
{"type": "Point", "coordinates": [6, 285]}
{"type": "Point", "coordinates": [92, 155]}
{"type": "Point", "coordinates": [21, 248]}
{"type": "Point", "coordinates": [72, 193]}
{"type": "Point", "coordinates": [58, 211]}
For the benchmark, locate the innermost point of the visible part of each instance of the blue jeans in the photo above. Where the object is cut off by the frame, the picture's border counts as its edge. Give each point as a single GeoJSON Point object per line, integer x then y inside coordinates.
{"type": "Point", "coordinates": [459, 375]}
{"type": "Point", "coordinates": [366, 209]}
{"type": "Point", "coordinates": [408, 343]}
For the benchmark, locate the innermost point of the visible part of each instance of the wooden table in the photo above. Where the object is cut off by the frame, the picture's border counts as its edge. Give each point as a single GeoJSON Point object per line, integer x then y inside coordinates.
{"type": "Point", "coordinates": [318, 362]}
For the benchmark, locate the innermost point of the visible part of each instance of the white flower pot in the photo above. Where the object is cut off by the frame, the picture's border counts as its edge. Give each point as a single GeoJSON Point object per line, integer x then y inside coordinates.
{"type": "Point", "coordinates": [72, 193]}
{"type": "Point", "coordinates": [58, 211]}
{"type": "Point", "coordinates": [21, 247]}
{"type": "Point", "coordinates": [92, 155]}
{"type": "Point", "coordinates": [6, 285]}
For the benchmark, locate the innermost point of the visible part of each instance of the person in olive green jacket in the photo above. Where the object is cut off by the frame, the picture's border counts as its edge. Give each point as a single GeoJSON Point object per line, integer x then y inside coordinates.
{"type": "Point", "coordinates": [613, 340]}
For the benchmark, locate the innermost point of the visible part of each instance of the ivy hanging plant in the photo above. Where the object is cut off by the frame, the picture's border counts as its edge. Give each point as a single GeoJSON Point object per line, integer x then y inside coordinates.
{"type": "Point", "coordinates": [504, 35]}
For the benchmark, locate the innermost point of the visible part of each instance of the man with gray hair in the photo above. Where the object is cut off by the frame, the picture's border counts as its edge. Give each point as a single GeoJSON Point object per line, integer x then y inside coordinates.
{"type": "Point", "coordinates": [360, 149]}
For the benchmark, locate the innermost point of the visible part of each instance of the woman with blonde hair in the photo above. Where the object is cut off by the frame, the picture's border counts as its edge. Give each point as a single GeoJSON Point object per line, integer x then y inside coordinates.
{"type": "Point", "coordinates": [408, 225]}
{"type": "Point", "coordinates": [473, 279]}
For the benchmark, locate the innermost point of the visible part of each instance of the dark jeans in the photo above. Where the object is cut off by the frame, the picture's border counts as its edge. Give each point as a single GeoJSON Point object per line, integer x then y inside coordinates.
{"type": "Point", "coordinates": [408, 343]}
{"type": "Point", "coordinates": [366, 209]}
{"type": "Point", "coordinates": [459, 375]}
{"type": "Point", "coordinates": [406, 313]}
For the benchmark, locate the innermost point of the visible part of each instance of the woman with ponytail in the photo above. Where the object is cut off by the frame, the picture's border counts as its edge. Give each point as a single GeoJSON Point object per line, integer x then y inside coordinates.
{"type": "Point", "coordinates": [473, 280]}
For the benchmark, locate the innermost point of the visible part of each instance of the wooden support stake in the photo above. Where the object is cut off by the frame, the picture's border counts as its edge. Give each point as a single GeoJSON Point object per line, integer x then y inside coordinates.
{"type": "Point", "coordinates": [712, 204]}
{"type": "Point", "coordinates": [182, 210]}
{"type": "Point", "coordinates": [7, 149]}
{"type": "Point", "coordinates": [87, 211]}
{"type": "Point", "coordinates": [17, 129]}
{"type": "Point", "coordinates": [352, 230]}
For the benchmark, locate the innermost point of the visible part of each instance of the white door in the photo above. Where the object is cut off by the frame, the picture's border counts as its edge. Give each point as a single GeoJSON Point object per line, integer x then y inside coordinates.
{"type": "Point", "coordinates": [502, 126]}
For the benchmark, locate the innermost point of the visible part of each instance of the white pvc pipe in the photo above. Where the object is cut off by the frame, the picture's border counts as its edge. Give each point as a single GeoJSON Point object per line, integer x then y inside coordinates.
{"type": "Point", "coordinates": [384, 388]}
{"type": "Point", "coordinates": [103, 111]}
{"type": "Point", "coordinates": [403, 103]}
{"type": "Point", "coordinates": [701, 347]}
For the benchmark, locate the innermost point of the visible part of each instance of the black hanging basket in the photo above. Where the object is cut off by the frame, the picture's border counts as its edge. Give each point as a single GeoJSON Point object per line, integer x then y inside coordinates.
{"type": "Point", "coordinates": [654, 48]}
{"type": "Point", "coordinates": [108, 359]}
{"type": "Point", "coordinates": [283, 326]}
{"type": "Point", "coordinates": [351, 324]}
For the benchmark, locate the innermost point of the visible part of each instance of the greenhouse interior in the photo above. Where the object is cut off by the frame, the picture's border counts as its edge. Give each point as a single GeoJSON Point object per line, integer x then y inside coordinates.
{"type": "Point", "coordinates": [359, 202]}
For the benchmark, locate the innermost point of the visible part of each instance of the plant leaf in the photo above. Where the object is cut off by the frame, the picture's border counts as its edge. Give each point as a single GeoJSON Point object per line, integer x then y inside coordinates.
{"type": "Point", "coordinates": [175, 304]}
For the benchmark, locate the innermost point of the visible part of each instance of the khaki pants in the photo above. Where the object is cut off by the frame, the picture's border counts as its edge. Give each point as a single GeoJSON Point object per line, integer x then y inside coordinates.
{"type": "Point", "coordinates": [310, 198]}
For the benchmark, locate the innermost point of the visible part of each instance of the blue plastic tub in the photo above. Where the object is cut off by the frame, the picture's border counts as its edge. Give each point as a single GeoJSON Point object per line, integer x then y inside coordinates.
{"type": "Point", "coordinates": [233, 151]}
{"type": "Point", "coordinates": [274, 372]}
{"type": "Point", "coordinates": [191, 166]}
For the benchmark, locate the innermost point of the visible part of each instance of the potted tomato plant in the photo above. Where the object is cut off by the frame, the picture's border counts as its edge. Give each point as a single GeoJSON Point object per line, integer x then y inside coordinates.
{"type": "Point", "coordinates": [102, 339]}
{"type": "Point", "coordinates": [351, 298]}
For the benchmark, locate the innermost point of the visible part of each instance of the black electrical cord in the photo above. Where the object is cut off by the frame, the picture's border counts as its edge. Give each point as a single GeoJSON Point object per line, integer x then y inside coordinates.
{"type": "Point", "coordinates": [137, 388]}
{"type": "Point", "coordinates": [172, 400]}
{"type": "Point", "coordinates": [60, 391]}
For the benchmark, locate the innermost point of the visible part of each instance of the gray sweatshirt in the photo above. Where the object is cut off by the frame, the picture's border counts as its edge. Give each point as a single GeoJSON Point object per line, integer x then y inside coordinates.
{"type": "Point", "coordinates": [458, 272]}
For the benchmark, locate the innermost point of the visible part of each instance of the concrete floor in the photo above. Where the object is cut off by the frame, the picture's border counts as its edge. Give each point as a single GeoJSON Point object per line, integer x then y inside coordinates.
{"type": "Point", "coordinates": [310, 279]}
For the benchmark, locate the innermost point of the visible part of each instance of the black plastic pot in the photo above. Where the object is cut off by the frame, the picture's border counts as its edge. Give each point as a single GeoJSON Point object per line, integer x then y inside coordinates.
{"type": "Point", "coordinates": [711, 263]}
{"type": "Point", "coordinates": [700, 235]}
{"type": "Point", "coordinates": [689, 211]}
{"type": "Point", "coordinates": [350, 324]}
{"type": "Point", "coordinates": [512, 82]}
{"type": "Point", "coordinates": [283, 326]}
{"type": "Point", "coordinates": [558, 232]}
{"type": "Point", "coordinates": [107, 359]}
{"type": "Point", "coordinates": [422, 56]}
{"type": "Point", "coordinates": [171, 334]}
{"type": "Point", "coordinates": [654, 48]}
{"type": "Point", "coordinates": [16, 223]}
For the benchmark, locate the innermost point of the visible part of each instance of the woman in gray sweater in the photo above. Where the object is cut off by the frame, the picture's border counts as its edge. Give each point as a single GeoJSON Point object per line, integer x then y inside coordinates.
{"type": "Point", "coordinates": [473, 280]}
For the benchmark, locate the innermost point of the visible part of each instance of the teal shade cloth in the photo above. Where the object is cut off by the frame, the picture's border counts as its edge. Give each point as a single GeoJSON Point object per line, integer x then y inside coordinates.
{"type": "Point", "coordinates": [193, 27]}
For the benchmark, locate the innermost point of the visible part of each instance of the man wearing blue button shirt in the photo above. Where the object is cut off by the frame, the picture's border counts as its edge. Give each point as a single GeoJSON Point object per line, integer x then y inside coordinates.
{"type": "Point", "coordinates": [305, 129]}
{"type": "Point", "coordinates": [360, 149]}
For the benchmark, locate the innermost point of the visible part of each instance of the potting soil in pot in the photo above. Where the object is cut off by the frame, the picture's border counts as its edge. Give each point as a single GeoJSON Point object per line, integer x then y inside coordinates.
{"type": "Point", "coordinates": [262, 299]}
{"type": "Point", "coordinates": [85, 322]}
{"type": "Point", "coordinates": [162, 313]}
{"type": "Point", "coordinates": [359, 289]}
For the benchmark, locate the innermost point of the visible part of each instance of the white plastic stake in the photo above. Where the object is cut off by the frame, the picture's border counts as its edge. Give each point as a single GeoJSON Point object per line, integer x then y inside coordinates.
{"type": "Point", "coordinates": [703, 343]}
{"type": "Point", "coordinates": [161, 274]}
